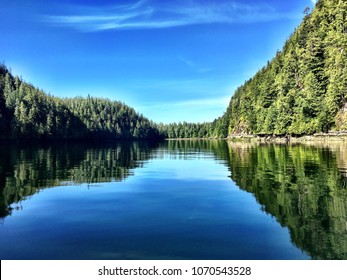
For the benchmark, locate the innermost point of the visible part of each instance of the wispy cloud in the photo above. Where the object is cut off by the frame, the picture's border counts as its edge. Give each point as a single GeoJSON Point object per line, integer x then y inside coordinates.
{"type": "Point", "coordinates": [195, 67]}
{"type": "Point", "coordinates": [146, 15]}
{"type": "Point", "coordinates": [314, 2]}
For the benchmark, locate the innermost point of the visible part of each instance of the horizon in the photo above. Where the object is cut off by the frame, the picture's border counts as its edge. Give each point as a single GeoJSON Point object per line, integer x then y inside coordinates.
{"type": "Point", "coordinates": [174, 62]}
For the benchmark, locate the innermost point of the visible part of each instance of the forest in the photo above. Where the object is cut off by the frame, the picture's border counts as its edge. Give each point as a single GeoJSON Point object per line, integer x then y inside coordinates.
{"type": "Point", "coordinates": [27, 112]}
{"type": "Point", "coordinates": [301, 91]}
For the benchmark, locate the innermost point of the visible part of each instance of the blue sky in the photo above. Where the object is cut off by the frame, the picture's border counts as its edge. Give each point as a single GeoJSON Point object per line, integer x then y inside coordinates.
{"type": "Point", "coordinates": [170, 60]}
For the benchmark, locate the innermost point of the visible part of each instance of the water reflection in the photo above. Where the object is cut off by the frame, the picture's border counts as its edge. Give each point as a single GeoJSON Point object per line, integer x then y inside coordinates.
{"type": "Point", "coordinates": [24, 171]}
{"type": "Point", "coordinates": [302, 186]}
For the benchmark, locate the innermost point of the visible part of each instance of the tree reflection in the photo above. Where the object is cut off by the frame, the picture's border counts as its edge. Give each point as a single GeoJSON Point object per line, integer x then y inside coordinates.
{"type": "Point", "coordinates": [302, 186]}
{"type": "Point", "coordinates": [24, 171]}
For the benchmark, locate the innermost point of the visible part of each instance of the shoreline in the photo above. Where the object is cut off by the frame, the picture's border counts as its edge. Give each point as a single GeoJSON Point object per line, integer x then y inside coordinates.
{"type": "Point", "coordinates": [281, 139]}
{"type": "Point", "coordinates": [320, 137]}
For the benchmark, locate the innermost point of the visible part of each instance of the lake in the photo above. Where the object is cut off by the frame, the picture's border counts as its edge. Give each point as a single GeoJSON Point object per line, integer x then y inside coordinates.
{"type": "Point", "coordinates": [173, 200]}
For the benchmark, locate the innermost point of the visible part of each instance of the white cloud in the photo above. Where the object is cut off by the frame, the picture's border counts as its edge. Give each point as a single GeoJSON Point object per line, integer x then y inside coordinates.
{"type": "Point", "coordinates": [195, 67]}
{"type": "Point", "coordinates": [143, 15]}
{"type": "Point", "coordinates": [314, 2]}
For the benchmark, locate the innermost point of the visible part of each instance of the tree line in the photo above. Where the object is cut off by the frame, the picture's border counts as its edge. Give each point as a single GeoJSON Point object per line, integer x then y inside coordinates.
{"type": "Point", "coordinates": [216, 129]}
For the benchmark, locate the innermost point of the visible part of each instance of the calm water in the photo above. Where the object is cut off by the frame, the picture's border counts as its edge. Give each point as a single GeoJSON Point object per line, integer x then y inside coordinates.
{"type": "Point", "coordinates": [173, 200]}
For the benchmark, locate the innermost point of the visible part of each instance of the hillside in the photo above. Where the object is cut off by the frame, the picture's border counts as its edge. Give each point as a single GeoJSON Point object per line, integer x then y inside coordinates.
{"type": "Point", "coordinates": [303, 90]}
{"type": "Point", "coordinates": [29, 113]}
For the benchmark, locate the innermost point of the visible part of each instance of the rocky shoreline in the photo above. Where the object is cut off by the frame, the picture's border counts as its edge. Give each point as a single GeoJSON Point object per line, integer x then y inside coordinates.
{"type": "Point", "coordinates": [322, 137]}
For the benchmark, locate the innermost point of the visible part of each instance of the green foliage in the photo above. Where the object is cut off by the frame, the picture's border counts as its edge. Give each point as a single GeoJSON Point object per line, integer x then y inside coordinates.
{"type": "Point", "coordinates": [304, 88]}
{"type": "Point", "coordinates": [216, 129]}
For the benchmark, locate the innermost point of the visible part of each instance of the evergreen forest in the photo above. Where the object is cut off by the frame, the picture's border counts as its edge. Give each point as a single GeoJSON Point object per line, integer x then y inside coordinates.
{"type": "Point", "coordinates": [303, 90]}
{"type": "Point", "coordinates": [29, 113]}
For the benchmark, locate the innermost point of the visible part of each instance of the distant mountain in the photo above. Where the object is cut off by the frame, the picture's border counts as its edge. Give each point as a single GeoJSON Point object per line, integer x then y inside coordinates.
{"type": "Point", "coordinates": [29, 113]}
{"type": "Point", "coordinates": [303, 90]}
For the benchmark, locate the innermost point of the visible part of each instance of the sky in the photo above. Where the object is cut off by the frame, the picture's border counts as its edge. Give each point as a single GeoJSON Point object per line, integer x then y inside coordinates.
{"type": "Point", "coordinates": [172, 61]}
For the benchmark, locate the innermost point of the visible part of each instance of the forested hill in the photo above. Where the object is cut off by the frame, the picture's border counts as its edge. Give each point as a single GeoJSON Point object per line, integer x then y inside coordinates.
{"type": "Point", "coordinates": [29, 113]}
{"type": "Point", "coordinates": [303, 90]}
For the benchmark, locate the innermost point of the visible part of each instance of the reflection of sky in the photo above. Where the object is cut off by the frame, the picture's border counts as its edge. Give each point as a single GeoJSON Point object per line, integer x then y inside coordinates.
{"type": "Point", "coordinates": [166, 210]}
{"type": "Point", "coordinates": [171, 60]}
{"type": "Point", "coordinates": [192, 169]}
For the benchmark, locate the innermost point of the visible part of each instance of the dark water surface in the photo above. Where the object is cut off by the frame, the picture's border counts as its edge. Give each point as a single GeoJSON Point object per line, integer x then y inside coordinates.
{"type": "Point", "coordinates": [173, 200]}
